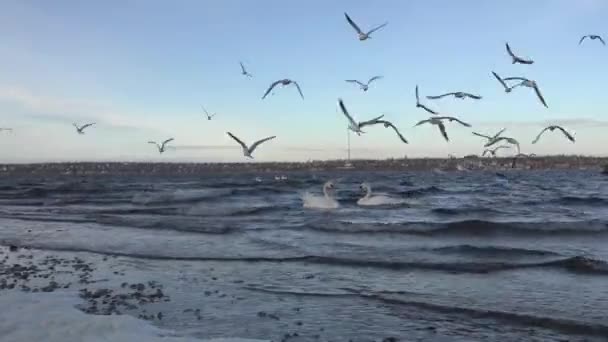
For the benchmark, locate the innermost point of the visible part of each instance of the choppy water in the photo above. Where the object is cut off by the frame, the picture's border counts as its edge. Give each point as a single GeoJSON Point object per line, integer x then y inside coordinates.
{"type": "Point", "coordinates": [470, 256]}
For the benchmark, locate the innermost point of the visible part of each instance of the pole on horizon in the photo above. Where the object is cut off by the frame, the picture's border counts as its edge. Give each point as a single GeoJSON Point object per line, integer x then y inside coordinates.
{"type": "Point", "coordinates": [348, 141]}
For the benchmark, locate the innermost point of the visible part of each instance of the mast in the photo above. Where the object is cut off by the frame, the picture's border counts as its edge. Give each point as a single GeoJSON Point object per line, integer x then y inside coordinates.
{"type": "Point", "coordinates": [348, 142]}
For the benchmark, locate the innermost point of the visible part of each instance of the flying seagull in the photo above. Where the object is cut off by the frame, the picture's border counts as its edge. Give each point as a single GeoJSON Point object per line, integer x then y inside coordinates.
{"type": "Point", "coordinates": [209, 116]}
{"type": "Point", "coordinates": [244, 71]}
{"type": "Point", "coordinates": [161, 147]}
{"type": "Point", "coordinates": [517, 59]}
{"type": "Point", "coordinates": [552, 128]}
{"type": "Point", "coordinates": [592, 37]}
{"type": "Point", "coordinates": [502, 82]}
{"type": "Point", "coordinates": [390, 124]}
{"type": "Point", "coordinates": [420, 105]}
{"type": "Point", "coordinates": [352, 124]}
{"type": "Point", "coordinates": [247, 151]}
{"type": "Point", "coordinates": [363, 35]}
{"type": "Point", "coordinates": [509, 140]}
{"type": "Point", "coordinates": [494, 150]}
{"type": "Point", "coordinates": [365, 86]}
{"type": "Point", "coordinates": [527, 83]}
{"type": "Point", "coordinates": [80, 129]}
{"type": "Point", "coordinates": [436, 121]}
{"type": "Point", "coordinates": [283, 82]}
{"type": "Point", "coordinates": [458, 95]}
{"type": "Point", "coordinates": [449, 118]}
{"type": "Point", "coordinates": [490, 138]}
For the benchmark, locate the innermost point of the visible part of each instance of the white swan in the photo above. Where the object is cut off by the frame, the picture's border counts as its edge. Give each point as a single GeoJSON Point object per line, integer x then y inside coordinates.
{"type": "Point", "coordinates": [380, 199]}
{"type": "Point", "coordinates": [321, 202]}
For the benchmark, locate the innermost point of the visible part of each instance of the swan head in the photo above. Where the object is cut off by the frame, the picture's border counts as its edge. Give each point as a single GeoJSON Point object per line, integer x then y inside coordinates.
{"type": "Point", "coordinates": [364, 187]}
{"type": "Point", "coordinates": [329, 185]}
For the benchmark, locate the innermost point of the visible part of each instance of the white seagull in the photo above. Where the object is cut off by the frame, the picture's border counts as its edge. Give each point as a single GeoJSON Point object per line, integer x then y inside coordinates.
{"type": "Point", "coordinates": [552, 128]}
{"type": "Point", "coordinates": [161, 147]}
{"type": "Point", "coordinates": [363, 35]}
{"type": "Point", "coordinates": [458, 95]}
{"type": "Point", "coordinates": [517, 59]}
{"type": "Point", "coordinates": [592, 37]}
{"type": "Point", "coordinates": [365, 86]}
{"type": "Point", "coordinates": [244, 71]}
{"type": "Point", "coordinates": [80, 129]}
{"type": "Point", "coordinates": [283, 82]}
{"type": "Point", "coordinates": [438, 121]}
{"type": "Point", "coordinates": [490, 138]}
{"type": "Point", "coordinates": [247, 151]}
{"type": "Point", "coordinates": [527, 83]}
{"type": "Point", "coordinates": [509, 140]}
{"type": "Point", "coordinates": [354, 125]}
{"type": "Point", "coordinates": [209, 116]}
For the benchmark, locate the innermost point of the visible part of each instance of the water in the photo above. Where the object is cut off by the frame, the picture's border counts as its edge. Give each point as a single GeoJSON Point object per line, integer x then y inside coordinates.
{"type": "Point", "coordinates": [520, 255]}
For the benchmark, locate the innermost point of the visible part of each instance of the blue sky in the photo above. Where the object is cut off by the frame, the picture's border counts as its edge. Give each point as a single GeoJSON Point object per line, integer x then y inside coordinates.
{"type": "Point", "coordinates": [142, 70]}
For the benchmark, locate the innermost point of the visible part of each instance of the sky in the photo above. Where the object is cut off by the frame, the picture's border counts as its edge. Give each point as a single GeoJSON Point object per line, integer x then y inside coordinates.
{"type": "Point", "coordinates": [142, 69]}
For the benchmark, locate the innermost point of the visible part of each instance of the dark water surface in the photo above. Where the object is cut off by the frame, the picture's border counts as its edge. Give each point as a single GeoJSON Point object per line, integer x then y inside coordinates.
{"type": "Point", "coordinates": [520, 256]}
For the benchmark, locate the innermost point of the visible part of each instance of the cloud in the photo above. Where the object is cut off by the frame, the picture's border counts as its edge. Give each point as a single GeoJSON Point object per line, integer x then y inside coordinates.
{"type": "Point", "coordinates": [45, 107]}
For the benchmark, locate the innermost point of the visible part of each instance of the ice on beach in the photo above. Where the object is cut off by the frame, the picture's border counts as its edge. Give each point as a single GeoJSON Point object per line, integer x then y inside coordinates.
{"type": "Point", "coordinates": [54, 318]}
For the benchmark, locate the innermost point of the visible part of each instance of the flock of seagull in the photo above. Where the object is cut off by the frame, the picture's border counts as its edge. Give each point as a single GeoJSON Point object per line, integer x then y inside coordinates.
{"type": "Point", "coordinates": [507, 83]}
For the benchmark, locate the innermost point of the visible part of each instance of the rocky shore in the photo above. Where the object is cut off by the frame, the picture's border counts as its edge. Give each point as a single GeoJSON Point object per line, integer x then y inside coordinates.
{"type": "Point", "coordinates": [471, 162]}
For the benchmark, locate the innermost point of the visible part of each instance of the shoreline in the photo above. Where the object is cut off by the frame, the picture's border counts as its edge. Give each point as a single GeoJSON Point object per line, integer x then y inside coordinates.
{"type": "Point", "coordinates": [403, 164]}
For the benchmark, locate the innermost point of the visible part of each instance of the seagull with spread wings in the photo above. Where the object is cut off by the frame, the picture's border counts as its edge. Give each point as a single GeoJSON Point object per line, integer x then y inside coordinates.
{"type": "Point", "coordinates": [283, 82]}
{"type": "Point", "coordinates": [592, 37]}
{"type": "Point", "coordinates": [209, 116]}
{"type": "Point", "coordinates": [80, 129]}
{"type": "Point", "coordinates": [248, 150]}
{"type": "Point", "coordinates": [354, 125]}
{"type": "Point", "coordinates": [490, 138]}
{"type": "Point", "coordinates": [552, 128]}
{"type": "Point", "coordinates": [363, 35]}
{"type": "Point", "coordinates": [458, 95]}
{"type": "Point", "coordinates": [365, 86]}
{"type": "Point", "coordinates": [420, 105]}
{"type": "Point", "coordinates": [517, 59]}
{"type": "Point", "coordinates": [161, 147]}
{"type": "Point", "coordinates": [509, 140]}
{"type": "Point", "coordinates": [244, 71]}
{"type": "Point", "coordinates": [524, 82]}
{"type": "Point", "coordinates": [438, 121]}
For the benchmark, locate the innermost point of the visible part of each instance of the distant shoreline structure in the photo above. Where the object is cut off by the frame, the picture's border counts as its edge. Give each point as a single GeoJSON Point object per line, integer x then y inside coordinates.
{"type": "Point", "coordinates": [467, 163]}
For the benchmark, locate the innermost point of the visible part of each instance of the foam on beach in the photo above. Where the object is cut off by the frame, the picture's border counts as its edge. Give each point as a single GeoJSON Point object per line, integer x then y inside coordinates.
{"type": "Point", "coordinates": [54, 318]}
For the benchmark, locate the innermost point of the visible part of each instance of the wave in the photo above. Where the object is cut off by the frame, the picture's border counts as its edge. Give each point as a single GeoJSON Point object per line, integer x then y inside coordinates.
{"type": "Point", "coordinates": [464, 211]}
{"type": "Point", "coordinates": [179, 196]}
{"type": "Point", "coordinates": [576, 200]}
{"type": "Point", "coordinates": [492, 251]}
{"type": "Point", "coordinates": [465, 228]}
{"type": "Point", "coordinates": [422, 191]}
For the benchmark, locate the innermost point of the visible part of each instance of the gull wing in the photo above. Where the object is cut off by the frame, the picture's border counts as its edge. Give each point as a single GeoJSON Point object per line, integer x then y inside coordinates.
{"type": "Point", "coordinates": [373, 79]}
{"type": "Point", "coordinates": [439, 96]}
{"type": "Point", "coordinates": [473, 96]}
{"type": "Point", "coordinates": [601, 39]}
{"type": "Point", "coordinates": [376, 28]}
{"type": "Point", "coordinates": [540, 134]}
{"type": "Point", "coordinates": [258, 143]}
{"type": "Point", "coordinates": [500, 80]}
{"type": "Point", "coordinates": [167, 141]}
{"type": "Point", "coordinates": [353, 123]}
{"type": "Point", "coordinates": [566, 133]}
{"type": "Point", "coordinates": [152, 142]}
{"type": "Point", "coordinates": [373, 121]}
{"type": "Point", "coordinates": [237, 140]}
{"type": "Point", "coordinates": [540, 96]}
{"type": "Point", "coordinates": [493, 141]}
{"type": "Point", "coordinates": [355, 81]}
{"type": "Point", "coordinates": [451, 118]}
{"type": "Point", "coordinates": [390, 124]}
{"type": "Point", "coordinates": [515, 79]}
{"type": "Point", "coordinates": [426, 108]}
{"type": "Point", "coordinates": [580, 41]}
{"type": "Point", "coordinates": [299, 90]}
{"type": "Point", "coordinates": [86, 125]}
{"type": "Point", "coordinates": [352, 23]}
{"type": "Point", "coordinates": [243, 68]}
{"type": "Point", "coordinates": [417, 96]}
{"type": "Point", "coordinates": [274, 84]}
{"type": "Point", "coordinates": [206, 112]}
{"type": "Point", "coordinates": [485, 152]}
{"type": "Point", "coordinates": [499, 133]}
{"type": "Point", "coordinates": [422, 122]}
{"type": "Point", "coordinates": [75, 125]}
{"type": "Point", "coordinates": [509, 51]}
{"type": "Point", "coordinates": [482, 135]}
{"type": "Point", "coordinates": [443, 131]}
